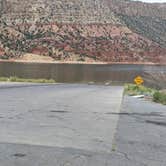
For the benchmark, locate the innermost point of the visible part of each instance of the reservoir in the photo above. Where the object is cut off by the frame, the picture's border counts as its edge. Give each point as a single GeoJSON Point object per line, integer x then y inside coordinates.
{"type": "Point", "coordinates": [78, 73]}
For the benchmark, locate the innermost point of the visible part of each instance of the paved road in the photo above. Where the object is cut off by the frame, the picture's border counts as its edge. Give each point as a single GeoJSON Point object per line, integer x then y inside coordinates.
{"type": "Point", "coordinates": [75, 125]}
{"type": "Point", "coordinates": [62, 115]}
{"type": "Point", "coordinates": [141, 132]}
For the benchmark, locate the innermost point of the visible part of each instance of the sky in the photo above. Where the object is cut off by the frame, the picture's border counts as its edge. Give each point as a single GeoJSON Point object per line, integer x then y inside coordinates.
{"type": "Point", "coordinates": [152, 1]}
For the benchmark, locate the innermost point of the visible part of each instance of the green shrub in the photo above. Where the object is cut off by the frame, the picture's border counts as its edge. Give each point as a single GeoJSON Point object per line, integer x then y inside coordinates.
{"type": "Point", "coordinates": [133, 89]}
{"type": "Point", "coordinates": [159, 97]}
{"type": "Point", "coordinates": [13, 79]}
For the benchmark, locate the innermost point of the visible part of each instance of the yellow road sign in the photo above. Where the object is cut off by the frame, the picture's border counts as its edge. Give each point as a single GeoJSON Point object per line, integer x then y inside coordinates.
{"type": "Point", "coordinates": [138, 80]}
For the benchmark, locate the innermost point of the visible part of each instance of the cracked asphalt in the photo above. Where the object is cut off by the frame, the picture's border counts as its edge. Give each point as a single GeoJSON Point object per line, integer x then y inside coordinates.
{"type": "Point", "coordinates": [79, 125]}
{"type": "Point", "coordinates": [141, 132]}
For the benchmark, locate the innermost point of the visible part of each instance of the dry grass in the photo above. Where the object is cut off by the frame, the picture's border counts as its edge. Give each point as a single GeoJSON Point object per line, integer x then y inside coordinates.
{"type": "Point", "coordinates": [17, 79]}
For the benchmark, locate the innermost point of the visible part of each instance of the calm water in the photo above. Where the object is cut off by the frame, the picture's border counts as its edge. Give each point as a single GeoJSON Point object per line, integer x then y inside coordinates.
{"type": "Point", "coordinates": [120, 73]}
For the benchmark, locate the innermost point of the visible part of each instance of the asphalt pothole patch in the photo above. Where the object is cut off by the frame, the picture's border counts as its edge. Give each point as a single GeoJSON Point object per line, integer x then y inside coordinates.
{"type": "Point", "coordinates": [19, 155]}
{"type": "Point", "coordinates": [58, 111]}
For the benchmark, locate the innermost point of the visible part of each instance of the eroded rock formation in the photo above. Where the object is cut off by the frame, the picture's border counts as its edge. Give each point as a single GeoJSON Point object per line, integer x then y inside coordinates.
{"type": "Point", "coordinates": [86, 30]}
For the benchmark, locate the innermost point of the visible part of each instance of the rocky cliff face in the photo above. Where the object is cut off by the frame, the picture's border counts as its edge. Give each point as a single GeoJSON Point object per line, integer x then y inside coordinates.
{"type": "Point", "coordinates": [65, 11]}
{"type": "Point", "coordinates": [86, 30]}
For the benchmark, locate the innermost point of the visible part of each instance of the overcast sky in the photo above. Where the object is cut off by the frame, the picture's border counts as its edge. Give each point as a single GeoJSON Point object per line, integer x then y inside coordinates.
{"type": "Point", "coordinates": [151, 1]}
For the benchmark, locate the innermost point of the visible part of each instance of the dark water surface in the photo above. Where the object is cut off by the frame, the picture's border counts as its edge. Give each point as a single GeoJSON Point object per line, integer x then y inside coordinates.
{"type": "Point", "coordinates": [118, 73]}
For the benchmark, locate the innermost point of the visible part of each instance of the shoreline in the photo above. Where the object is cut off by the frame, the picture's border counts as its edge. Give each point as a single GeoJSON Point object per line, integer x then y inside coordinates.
{"type": "Point", "coordinates": [77, 62]}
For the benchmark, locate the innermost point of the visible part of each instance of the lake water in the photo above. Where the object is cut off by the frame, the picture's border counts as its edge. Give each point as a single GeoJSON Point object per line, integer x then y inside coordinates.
{"type": "Point", "coordinates": [72, 73]}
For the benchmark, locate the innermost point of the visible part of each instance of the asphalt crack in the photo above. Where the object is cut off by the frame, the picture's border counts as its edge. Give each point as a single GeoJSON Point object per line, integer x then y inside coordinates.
{"type": "Point", "coordinates": [58, 111]}
{"type": "Point", "coordinates": [158, 114]}
{"type": "Point", "coordinates": [159, 123]}
{"type": "Point", "coordinates": [124, 154]}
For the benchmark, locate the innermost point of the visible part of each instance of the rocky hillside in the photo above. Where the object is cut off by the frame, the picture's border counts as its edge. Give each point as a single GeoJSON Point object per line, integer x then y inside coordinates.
{"type": "Point", "coordinates": [86, 30]}
{"type": "Point", "coordinates": [137, 8]}
{"type": "Point", "coordinates": [149, 20]}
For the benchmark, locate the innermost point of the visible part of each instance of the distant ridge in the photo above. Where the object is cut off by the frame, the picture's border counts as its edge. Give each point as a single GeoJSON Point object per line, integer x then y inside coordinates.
{"type": "Point", "coordinates": [84, 30]}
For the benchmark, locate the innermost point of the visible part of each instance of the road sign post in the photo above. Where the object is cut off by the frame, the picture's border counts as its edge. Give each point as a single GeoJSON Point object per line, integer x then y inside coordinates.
{"type": "Point", "coordinates": [139, 80]}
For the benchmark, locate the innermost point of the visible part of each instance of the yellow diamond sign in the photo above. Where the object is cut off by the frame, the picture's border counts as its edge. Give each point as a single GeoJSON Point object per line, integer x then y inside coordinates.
{"type": "Point", "coordinates": [138, 80]}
